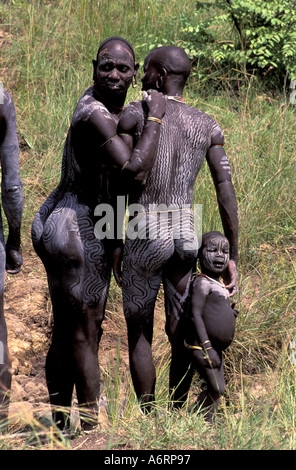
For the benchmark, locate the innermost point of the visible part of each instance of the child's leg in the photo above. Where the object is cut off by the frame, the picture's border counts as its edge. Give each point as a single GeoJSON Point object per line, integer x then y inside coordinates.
{"type": "Point", "coordinates": [209, 399]}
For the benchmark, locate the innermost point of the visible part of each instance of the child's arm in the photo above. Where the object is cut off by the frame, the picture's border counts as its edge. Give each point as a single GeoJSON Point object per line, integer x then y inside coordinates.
{"type": "Point", "coordinates": [198, 302]}
{"type": "Point", "coordinates": [200, 292]}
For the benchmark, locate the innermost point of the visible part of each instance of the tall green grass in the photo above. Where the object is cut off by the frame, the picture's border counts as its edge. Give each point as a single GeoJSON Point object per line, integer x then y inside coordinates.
{"type": "Point", "coordinates": [46, 63]}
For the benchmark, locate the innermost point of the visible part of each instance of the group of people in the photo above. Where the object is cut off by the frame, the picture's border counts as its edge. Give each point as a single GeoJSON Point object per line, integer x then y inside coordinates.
{"type": "Point", "coordinates": [149, 153]}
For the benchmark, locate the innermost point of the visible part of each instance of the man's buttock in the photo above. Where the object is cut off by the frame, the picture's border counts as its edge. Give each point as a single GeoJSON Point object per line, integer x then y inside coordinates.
{"type": "Point", "coordinates": [152, 238]}
{"type": "Point", "coordinates": [68, 234]}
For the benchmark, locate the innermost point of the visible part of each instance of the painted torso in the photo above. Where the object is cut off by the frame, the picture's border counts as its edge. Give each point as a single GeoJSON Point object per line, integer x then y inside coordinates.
{"type": "Point", "coordinates": [85, 167]}
{"type": "Point", "coordinates": [185, 137]}
{"type": "Point", "coordinates": [218, 316]}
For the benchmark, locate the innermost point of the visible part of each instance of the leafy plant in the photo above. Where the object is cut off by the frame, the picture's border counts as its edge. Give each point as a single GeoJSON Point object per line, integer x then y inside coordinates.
{"type": "Point", "coordinates": [249, 34]}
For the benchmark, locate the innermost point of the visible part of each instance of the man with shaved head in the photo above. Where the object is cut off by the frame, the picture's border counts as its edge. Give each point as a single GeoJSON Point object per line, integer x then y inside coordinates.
{"type": "Point", "coordinates": [187, 137]}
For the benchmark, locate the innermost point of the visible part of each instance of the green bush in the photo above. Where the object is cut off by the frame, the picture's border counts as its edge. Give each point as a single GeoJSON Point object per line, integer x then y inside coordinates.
{"type": "Point", "coordinates": [255, 36]}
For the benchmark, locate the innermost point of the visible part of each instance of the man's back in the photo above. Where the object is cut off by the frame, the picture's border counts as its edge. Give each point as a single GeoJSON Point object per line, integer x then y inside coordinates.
{"type": "Point", "coordinates": [185, 137]}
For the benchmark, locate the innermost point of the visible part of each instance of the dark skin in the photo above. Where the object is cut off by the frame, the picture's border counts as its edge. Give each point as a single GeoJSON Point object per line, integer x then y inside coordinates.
{"type": "Point", "coordinates": [113, 74]}
{"type": "Point", "coordinates": [211, 322]}
{"type": "Point", "coordinates": [177, 269]}
{"type": "Point", "coordinates": [77, 261]}
{"type": "Point", "coordinates": [10, 252]}
{"type": "Point", "coordinates": [158, 78]}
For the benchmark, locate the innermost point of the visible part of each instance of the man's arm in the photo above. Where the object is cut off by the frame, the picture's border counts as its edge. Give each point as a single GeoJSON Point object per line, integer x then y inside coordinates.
{"type": "Point", "coordinates": [221, 174]}
{"type": "Point", "coordinates": [136, 162]}
{"type": "Point", "coordinates": [11, 186]}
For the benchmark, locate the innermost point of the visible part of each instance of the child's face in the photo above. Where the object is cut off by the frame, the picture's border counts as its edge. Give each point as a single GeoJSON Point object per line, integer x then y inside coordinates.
{"type": "Point", "coordinates": [215, 255]}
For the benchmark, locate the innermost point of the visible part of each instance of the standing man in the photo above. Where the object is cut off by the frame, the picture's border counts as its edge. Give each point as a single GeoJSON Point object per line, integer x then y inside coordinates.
{"type": "Point", "coordinates": [77, 260]}
{"type": "Point", "coordinates": [187, 137]}
{"type": "Point", "coordinates": [10, 254]}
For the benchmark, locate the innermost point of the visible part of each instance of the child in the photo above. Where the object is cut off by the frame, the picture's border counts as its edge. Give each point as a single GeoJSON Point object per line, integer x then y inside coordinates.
{"type": "Point", "coordinates": [211, 323]}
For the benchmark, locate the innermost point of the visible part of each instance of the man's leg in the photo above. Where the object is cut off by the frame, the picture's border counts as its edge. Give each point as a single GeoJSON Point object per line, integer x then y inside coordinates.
{"type": "Point", "coordinates": [73, 355]}
{"type": "Point", "coordinates": [176, 282]}
{"type": "Point", "coordinates": [5, 374]}
{"type": "Point", "coordinates": [141, 361]}
{"type": "Point", "coordinates": [78, 271]}
{"type": "Point", "coordinates": [141, 278]}
{"type": "Point", "coordinates": [60, 378]}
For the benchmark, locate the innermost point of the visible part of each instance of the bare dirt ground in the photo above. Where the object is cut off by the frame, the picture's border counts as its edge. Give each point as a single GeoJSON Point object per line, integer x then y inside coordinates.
{"type": "Point", "coordinates": [29, 322]}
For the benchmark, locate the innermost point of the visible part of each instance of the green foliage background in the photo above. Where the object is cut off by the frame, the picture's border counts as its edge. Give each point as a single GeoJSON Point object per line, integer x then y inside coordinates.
{"type": "Point", "coordinates": [252, 35]}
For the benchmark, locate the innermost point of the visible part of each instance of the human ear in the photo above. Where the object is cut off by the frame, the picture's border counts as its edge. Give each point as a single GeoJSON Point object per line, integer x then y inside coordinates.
{"type": "Point", "coordinates": [136, 67]}
{"type": "Point", "coordinates": [161, 78]}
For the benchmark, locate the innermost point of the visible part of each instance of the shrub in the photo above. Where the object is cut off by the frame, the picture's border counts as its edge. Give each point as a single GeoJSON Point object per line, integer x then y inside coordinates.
{"type": "Point", "coordinates": [255, 36]}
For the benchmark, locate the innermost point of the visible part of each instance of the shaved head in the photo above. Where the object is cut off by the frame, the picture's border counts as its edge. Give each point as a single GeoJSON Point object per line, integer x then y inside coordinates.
{"type": "Point", "coordinates": [174, 59]}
